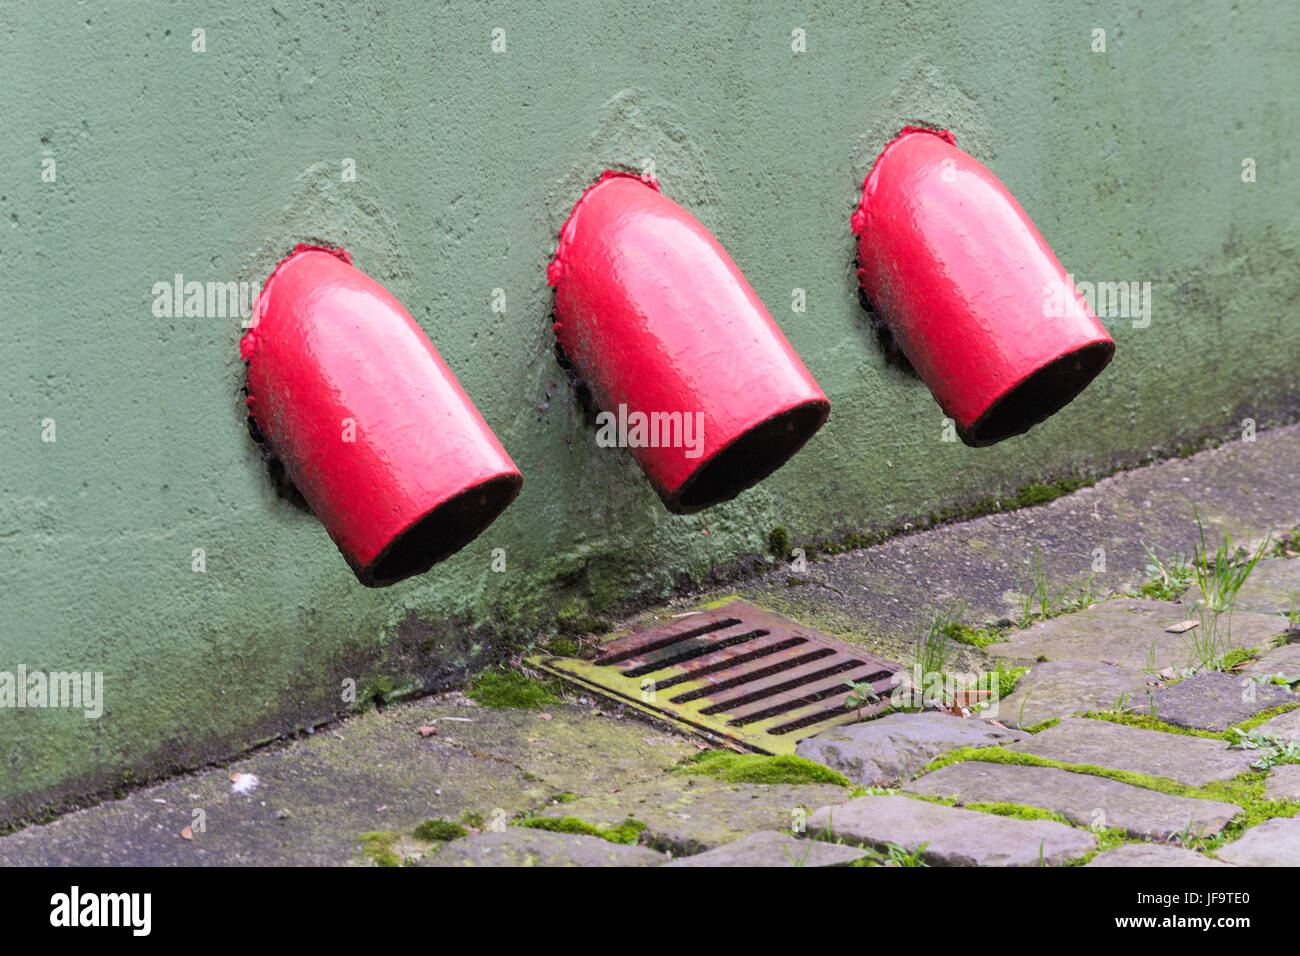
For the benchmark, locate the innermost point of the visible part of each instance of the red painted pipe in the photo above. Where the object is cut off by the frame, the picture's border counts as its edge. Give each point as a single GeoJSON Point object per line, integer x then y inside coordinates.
{"type": "Point", "coordinates": [974, 297]}
{"type": "Point", "coordinates": [370, 423]}
{"type": "Point", "coordinates": [658, 321]}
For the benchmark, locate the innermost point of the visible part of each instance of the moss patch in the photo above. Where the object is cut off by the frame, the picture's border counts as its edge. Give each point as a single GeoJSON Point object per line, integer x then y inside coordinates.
{"type": "Point", "coordinates": [969, 634]}
{"type": "Point", "coordinates": [759, 768]}
{"type": "Point", "coordinates": [511, 688]}
{"type": "Point", "coordinates": [778, 543]}
{"type": "Point", "coordinates": [440, 830]}
{"type": "Point", "coordinates": [377, 847]}
{"type": "Point", "coordinates": [562, 647]}
{"type": "Point", "coordinates": [628, 832]}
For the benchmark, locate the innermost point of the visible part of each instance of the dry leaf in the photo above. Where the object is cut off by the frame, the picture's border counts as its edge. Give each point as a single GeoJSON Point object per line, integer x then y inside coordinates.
{"type": "Point", "coordinates": [1182, 626]}
{"type": "Point", "coordinates": [187, 833]}
{"type": "Point", "coordinates": [428, 730]}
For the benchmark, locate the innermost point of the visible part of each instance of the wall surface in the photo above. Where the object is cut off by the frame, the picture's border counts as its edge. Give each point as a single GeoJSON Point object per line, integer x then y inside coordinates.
{"type": "Point", "coordinates": [213, 164]}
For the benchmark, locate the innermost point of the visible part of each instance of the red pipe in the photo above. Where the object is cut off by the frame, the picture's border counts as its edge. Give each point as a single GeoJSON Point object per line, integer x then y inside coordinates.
{"type": "Point", "coordinates": [658, 321]}
{"type": "Point", "coordinates": [972, 293]}
{"type": "Point", "coordinates": [370, 423]}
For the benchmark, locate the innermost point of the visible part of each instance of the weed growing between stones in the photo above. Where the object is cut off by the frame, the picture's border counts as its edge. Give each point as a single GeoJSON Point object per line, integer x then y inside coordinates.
{"type": "Point", "coordinates": [1166, 581]}
{"type": "Point", "coordinates": [1039, 601]}
{"type": "Point", "coordinates": [1221, 577]}
{"type": "Point", "coordinates": [1272, 749]}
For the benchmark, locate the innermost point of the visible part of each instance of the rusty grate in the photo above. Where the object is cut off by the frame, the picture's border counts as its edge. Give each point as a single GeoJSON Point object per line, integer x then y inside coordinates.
{"type": "Point", "coordinates": [737, 672]}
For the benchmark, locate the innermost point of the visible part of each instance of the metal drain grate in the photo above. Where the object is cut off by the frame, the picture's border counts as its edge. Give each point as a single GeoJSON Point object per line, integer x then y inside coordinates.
{"type": "Point", "coordinates": [739, 673]}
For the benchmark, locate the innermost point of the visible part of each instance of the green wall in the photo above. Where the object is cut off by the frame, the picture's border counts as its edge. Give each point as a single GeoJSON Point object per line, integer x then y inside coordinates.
{"type": "Point", "coordinates": [213, 164]}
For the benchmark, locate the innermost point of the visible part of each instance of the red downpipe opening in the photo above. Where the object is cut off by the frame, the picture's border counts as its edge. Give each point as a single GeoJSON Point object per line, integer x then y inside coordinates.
{"type": "Point", "coordinates": [658, 321]}
{"type": "Point", "coordinates": [370, 423]}
{"type": "Point", "coordinates": [974, 297]}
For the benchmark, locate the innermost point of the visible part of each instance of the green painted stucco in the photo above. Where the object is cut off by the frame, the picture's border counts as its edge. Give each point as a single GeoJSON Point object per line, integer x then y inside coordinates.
{"type": "Point", "coordinates": [467, 160]}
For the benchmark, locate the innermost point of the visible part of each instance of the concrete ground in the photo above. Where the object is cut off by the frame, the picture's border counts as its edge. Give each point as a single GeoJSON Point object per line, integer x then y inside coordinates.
{"type": "Point", "coordinates": [1148, 778]}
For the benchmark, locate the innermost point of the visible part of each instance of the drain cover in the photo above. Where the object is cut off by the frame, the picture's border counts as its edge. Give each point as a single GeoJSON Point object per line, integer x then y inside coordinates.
{"type": "Point", "coordinates": [739, 673]}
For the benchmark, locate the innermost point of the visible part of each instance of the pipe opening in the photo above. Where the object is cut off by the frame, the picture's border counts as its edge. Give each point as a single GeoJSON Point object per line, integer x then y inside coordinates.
{"type": "Point", "coordinates": [441, 532]}
{"type": "Point", "coordinates": [1040, 395]}
{"type": "Point", "coordinates": [750, 458]}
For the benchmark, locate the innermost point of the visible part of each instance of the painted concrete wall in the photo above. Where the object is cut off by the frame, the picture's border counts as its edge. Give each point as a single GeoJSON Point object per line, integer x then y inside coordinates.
{"type": "Point", "coordinates": [213, 164]}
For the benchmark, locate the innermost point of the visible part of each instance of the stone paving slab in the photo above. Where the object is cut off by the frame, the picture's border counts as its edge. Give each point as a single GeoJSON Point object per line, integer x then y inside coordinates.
{"type": "Point", "coordinates": [1214, 701]}
{"type": "Point", "coordinates": [521, 846]}
{"type": "Point", "coordinates": [1283, 783]}
{"type": "Point", "coordinates": [1190, 760]}
{"type": "Point", "coordinates": [1062, 688]}
{"type": "Point", "coordinates": [1272, 588]}
{"type": "Point", "coordinates": [952, 836]}
{"type": "Point", "coordinates": [316, 796]}
{"type": "Point", "coordinates": [1284, 660]}
{"type": "Point", "coordinates": [769, 848]}
{"type": "Point", "coordinates": [1274, 842]}
{"type": "Point", "coordinates": [1151, 855]}
{"type": "Point", "coordinates": [569, 748]}
{"type": "Point", "coordinates": [1087, 801]}
{"type": "Point", "coordinates": [1285, 726]}
{"type": "Point", "coordinates": [878, 753]}
{"type": "Point", "coordinates": [685, 814]}
{"type": "Point", "coordinates": [1130, 632]}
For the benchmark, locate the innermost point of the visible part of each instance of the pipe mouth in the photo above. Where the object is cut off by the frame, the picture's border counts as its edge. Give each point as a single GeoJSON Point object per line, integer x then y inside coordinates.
{"type": "Point", "coordinates": [442, 531]}
{"type": "Point", "coordinates": [1039, 395]}
{"type": "Point", "coordinates": [749, 458]}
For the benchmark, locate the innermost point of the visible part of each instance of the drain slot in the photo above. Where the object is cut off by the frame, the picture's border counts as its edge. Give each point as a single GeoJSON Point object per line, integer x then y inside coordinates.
{"type": "Point", "coordinates": [807, 721]}
{"type": "Point", "coordinates": [638, 650]}
{"type": "Point", "coordinates": [699, 650]}
{"type": "Point", "coordinates": [789, 685]}
{"type": "Point", "coordinates": [740, 659]}
{"type": "Point", "coordinates": [752, 676]}
{"type": "Point", "coordinates": [836, 690]}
